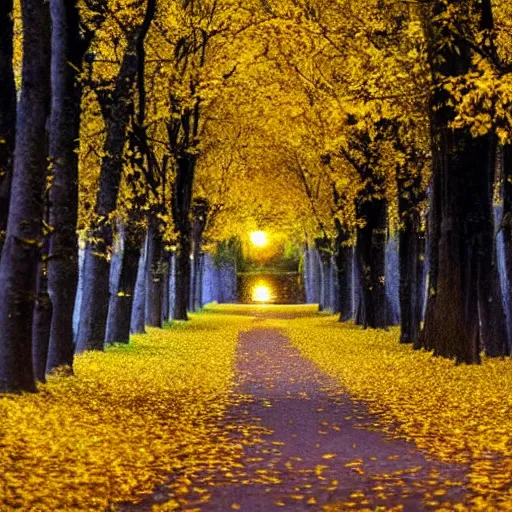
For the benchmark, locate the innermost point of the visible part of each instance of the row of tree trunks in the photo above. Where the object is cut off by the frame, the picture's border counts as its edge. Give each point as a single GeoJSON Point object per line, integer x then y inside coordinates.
{"type": "Point", "coordinates": [20, 256]}
{"type": "Point", "coordinates": [116, 113]}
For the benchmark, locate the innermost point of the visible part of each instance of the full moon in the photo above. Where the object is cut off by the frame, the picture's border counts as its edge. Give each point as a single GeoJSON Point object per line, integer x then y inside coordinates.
{"type": "Point", "coordinates": [259, 238]}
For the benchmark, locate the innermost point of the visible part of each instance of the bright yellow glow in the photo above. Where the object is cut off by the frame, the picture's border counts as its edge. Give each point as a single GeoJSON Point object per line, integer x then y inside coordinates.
{"type": "Point", "coordinates": [261, 293]}
{"type": "Point", "coordinates": [259, 238]}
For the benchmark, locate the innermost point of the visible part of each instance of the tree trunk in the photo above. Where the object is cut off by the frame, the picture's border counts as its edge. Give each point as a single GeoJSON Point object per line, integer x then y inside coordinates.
{"type": "Point", "coordinates": [181, 206]}
{"type": "Point", "coordinates": [172, 284]}
{"type": "Point", "coordinates": [121, 305]}
{"type": "Point", "coordinates": [7, 113]}
{"type": "Point", "coordinates": [344, 272]}
{"type": "Point", "coordinates": [371, 264]}
{"type": "Point", "coordinates": [138, 319]}
{"type": "Point", "coordinates": [493, 327]}
{"type": "Point", "coordinates": [165, 285]}
{"type": "Point", "coordinates": [199, 282]}
{"type": "Point", "coordinates": [41, 324]}
{"type": "Point", "coordinates": [506, 223]}
{"type": "Point", "coordinates": [154, 282]}
{"type": "Point", "coordinates": [18, 267]}
{"type": "Point", "coordinates": [182, 279]}
{"type": "Point", "coordinates": [93, 315]}
{"type": "Point", "coordinates": [67, 54]}
{"type": "Point", "coordinates": [466, 253]}
{"type": "Point", "coordinates": [410, 276]}
{"type": "Point", "coordinates": [192, 295]}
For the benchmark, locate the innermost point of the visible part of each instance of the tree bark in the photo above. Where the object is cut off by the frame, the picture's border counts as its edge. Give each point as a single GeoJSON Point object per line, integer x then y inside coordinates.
{"type": "Point", "coordinates": [166, 286]}
{"type": "Point", "coordinates": [493, 327]}
{"type": "Point", "coordinates": [41, 324]}
{"type": "Point", "coordinates": [371, 264]}
{"type": "Point", "coordinates": [18, 266]}
{"type": "Point", "coordinates": [344, 272]}
{"type": "Point", "coordinates": [154, 282]}
{"type": "Point", "coordinates": [7, 113]}
{"type": "Point", "coordinates": [409, 255]}
{"type": "Point", "coordinates": [67, 54]}
{"type": "Point", "coordinates": [181, 206]}
{"type": "Point", "coordinates": [458, 327]}
{"type": "Point", "coordinates": [138, 319]}
{"type": "Point", "coordinates": [506, 223]}
{"type": "Point", "coordinates": [121, 305]}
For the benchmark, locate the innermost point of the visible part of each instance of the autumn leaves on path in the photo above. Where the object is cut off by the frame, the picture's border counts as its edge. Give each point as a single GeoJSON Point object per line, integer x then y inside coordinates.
{"type": "Point", "coordinates": [307, 446]}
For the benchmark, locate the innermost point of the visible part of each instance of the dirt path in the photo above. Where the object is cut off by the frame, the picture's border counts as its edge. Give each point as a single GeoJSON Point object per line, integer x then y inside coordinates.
{"type": "Point", "coordinates": [316, 447]}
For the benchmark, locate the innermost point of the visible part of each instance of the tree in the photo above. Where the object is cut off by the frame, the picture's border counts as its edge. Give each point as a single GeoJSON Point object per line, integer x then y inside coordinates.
{"type": "Point", "coordinates": [463, 179]}
{"type": "Point", "coordinates": [68, 51]}
{"type": "Point", "coordinates": [116, 106]}
{"type": "Point", "coordinates": [18, 266]}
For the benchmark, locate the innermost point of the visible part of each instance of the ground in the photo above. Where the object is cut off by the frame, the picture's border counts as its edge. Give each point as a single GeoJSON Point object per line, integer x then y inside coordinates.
{"type": "Point", "coordinates": [260, 409]}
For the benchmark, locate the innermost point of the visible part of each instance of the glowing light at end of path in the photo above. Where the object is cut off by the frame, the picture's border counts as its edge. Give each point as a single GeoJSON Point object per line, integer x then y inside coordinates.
{"type": "Point", "coordinates": [261, 293]}
{"type": "Point", "coordinates": [259, 238]}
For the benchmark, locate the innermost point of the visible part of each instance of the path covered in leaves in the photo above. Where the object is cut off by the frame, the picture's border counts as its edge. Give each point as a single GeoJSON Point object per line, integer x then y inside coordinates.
{"type": "Point", "coordinates": [308, 446]}
{"type": "Point", "coordinates": [261, 409]}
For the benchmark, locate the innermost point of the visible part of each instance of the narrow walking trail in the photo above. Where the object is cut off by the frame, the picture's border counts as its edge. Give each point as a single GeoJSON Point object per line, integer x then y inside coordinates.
{"type": "Point", "coordinates": [308, 446]}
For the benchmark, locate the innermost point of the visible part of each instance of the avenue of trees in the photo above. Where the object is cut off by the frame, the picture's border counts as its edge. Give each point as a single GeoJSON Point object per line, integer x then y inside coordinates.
{"type": "Point", "coordinates": [168, 128]}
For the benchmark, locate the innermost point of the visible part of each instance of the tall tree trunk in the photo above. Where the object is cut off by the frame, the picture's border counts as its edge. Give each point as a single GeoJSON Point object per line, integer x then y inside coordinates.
{"type": "Point", "coordinates": [463, 164]}
{"type": "Point", "coordinates": [424, 338]}
{"type": "Point", "coordinates": [121, 305]}
{"type": "Point", "coordinates": [199, 211]}
{"type": "Point", "coordinates": [172, 284]}
{"type": "Point", "coordinates": [18, 266]}
{"type": "Point", "coordinates": [138, 319]}
{"type": "Point", "coordinates": [323, 248]}
{"type": "Point", "coordinates": [199, 282]}
{"type": "Point", "coordinates": [67, 54]}
{"type": "Point", "coordinates": [154, 282]}
{"type": "Point", "coordinates": [182, 279]}
{"type": "Point", "coordinates": [371, 264]}
{"type": "Point", "coordinates": [41, 323]}
{"type": "Point", "coordinates": [93, 314]}
{"type": "Point", "coordinates": [409, 255]}
{"type": "Point", "coordinates": [506, 223]}
{"type": "Point", "coordinates": [181, 206]}
{"type": "Point", "coordinates": [410, 251]}
{"type": "Point", "coordinates": [166, 276]}
{"type": "Point", "coordinates": [192, 295]}
{"type": "Point", "coordinates": [7, 113]}
{"type": "Point", "coordinates": [344, 272]}
{"type": "Point", "coordinates": [493, 327]}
